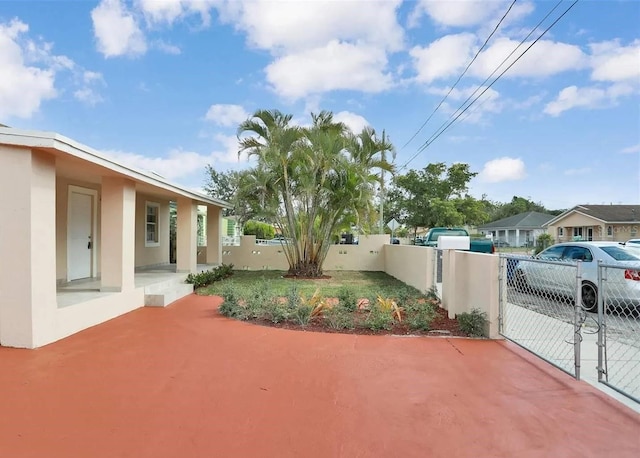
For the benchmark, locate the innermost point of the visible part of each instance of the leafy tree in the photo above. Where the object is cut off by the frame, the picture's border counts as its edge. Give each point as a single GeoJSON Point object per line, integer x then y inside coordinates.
{"type": "Point", "coordinates": [259, 229]}
{"type": "Point", "coordinates": [310, 181]}
{"type": "Point", "coordinates": [222, 185]}
{"type": "Point", "coordinates": [231, 187]}
{"type": "Point", "coordinates": [435, 196]}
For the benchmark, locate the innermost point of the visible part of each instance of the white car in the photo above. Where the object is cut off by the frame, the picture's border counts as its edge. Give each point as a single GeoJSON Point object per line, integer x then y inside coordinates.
{"type": "Point", "coordinates": [557, 274]}
{"type": "Point", "coordinates": [633, 242]}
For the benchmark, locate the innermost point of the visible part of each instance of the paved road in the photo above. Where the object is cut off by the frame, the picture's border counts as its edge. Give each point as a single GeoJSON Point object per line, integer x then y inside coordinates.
{"type": "Point", "coordinates": [563, 309]}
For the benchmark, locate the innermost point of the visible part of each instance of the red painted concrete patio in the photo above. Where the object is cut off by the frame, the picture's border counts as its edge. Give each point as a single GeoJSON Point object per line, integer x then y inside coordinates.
{"type": "Point", "coordinates": [186, 382]}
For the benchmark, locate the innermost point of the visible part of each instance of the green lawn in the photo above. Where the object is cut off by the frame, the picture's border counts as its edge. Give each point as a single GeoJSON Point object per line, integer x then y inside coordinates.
{"type": "Point", "coordinates": [363, 284]}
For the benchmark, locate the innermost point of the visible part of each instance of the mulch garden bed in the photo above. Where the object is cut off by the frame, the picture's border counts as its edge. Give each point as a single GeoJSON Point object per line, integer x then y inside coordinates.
{"type": "Point", "coordinates": [442, 325]}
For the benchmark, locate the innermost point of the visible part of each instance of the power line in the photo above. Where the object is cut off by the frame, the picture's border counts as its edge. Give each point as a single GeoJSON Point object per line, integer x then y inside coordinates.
{"type": "Point", "coordinates": [448, 123]}
{"type": "Point", "coordinates": [495, 29]}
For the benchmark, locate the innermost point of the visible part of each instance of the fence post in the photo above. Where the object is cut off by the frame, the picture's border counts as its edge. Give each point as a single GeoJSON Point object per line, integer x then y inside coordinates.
{"type": "Point", "coordinates": [601, 323]}
{"type": "Point", "coordinates": [501, 292]}
{"type": "Point", "coordinates": [577, 337]}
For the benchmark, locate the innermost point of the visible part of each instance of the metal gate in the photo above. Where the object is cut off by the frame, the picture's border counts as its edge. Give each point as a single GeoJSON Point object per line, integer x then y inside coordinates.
{"type": "Point", "coordinates": [540, 308]}
{"type": "Point", "coordinates": [619, 330]}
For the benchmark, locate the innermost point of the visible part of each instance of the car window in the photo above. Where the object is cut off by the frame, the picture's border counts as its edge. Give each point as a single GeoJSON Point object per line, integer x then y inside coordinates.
{"type": "Point", "coordinates": [578, 253]}
{"type": "Point", "coordinates": [621, 254]}
{"type": "Point", "coordinates": [554, 252]}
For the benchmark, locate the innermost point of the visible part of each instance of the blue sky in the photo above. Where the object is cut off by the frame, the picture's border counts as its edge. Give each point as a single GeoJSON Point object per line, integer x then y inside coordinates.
{"type": "Point", "coordinates": [162, 85]}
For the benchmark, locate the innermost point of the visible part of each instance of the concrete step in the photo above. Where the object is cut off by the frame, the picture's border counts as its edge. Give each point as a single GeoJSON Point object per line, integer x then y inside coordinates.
{"type": "Point", "coordinates": [156, 296]}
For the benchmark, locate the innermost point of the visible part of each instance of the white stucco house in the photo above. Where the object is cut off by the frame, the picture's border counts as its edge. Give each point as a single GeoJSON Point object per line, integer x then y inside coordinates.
{"type": "Point", "coordinates": [85, 239]}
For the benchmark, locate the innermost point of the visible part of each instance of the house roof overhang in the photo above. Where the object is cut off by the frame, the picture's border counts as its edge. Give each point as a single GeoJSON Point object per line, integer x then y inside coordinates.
{"type": "Point", "coordinates": [76, 153]}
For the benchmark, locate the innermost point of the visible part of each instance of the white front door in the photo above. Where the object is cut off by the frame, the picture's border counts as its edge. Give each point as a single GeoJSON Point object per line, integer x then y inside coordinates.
{"type": "Point", "coordinates": [79, 235]}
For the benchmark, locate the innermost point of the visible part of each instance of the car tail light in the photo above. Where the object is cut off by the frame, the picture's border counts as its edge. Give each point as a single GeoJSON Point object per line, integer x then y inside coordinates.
{"type": "Point", "coordinates": [631, 274]}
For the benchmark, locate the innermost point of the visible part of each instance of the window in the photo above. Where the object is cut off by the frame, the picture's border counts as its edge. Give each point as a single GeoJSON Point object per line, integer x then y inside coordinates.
{"type": "Point", "coordinates": [620, 254]}
{"type": "Point", "coordinates": [578, 253]}
{"type": "Point", "coordinates": [577, 233]}
{"type": "Point", "coordinates": [152, 220]}
{"type": "Point", "coordinates": [610, 231]}
{"type": "Point", "coordinates": [553, 253]}
{"type": "Point", "coordinates": [560, 231]}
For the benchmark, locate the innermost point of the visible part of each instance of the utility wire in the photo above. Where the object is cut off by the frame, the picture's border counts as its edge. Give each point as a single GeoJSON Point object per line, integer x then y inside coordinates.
{"type": "Point", "coordinates": [448, 123]}
{"type": "Point", "coordinates": [495, 29]}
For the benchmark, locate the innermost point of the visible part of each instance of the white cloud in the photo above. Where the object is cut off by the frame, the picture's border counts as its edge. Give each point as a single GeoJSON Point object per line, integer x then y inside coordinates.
{"type": "Point", "coordinates": [305, 24]}
{"type": "Point", "coordinates": [586, 97]}
{"type": "Point", "coordinates": [167, 48]}
{"type": "Point", "coordinates": [169, 11]}
{"type": "Point", "coordinates": [226, 115]}
{"type": "Point", "coordinates": [578, 171]}
{"type": "Point", "coordinates": [88, 96]}
{"type": "Point", "coordinates": [332, 67]}
{"type": "Point", "coordinates": [616, 67]}
{"type": "Point", "coordinates": [443, 57]}
{"type": "Point", "coordinates": [178, 165]}
{"type": "Point", "coordinates": [615, 63]}
{"type": "Point", "coordinates": [631, 149]}
{"type": "Point", "coordinates": [488, 102]}
{"type": "Point", "coordinates": [117, 30]}
{"type": "Point", "coordinates": [23, 87]}
{"type": "Point", "coordinates": [503, 169]}
{"type": "Point", "coordinates": [88, 93]}
{"type": "Point", "coordinates": [461, 13]}
{"type": "Point", "coordinates": [353, 121]}
{"type": "Point", "coordinates": [545, 58]}
{"type": "Point", "coordinates": [318, 46]}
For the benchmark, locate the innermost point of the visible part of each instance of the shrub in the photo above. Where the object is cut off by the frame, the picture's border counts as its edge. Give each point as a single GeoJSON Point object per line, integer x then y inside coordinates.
{"type": "Point", "coordinates": [379, 318]}
{"type": "Point", "coordinates": [257, 298]}
{"type": "Point", "coordinates": [473, 323]}
{"type": "Point", "coordinates": [293, 296]}
{"type": "Point", "coordinates": [230, 306]}
{"type": "Point", "coordinates": [543, 241]}
{"type": "Point", "coordinates": [420, 316]}
{"type": "Point", "coordinates": [388, 304]}
{"type": "Point", "coordinates": [302, 314]}
{"type": "Point", "coordinates": [259, 229]}
{"type": "Point", "coordinates": [432, 294]}
{"type": "Point", "coordinates": [210, 276]}
{"type": "Point", "coordinates": [274, 311]}
{"type": "Point", "coordinates": [405, 295]}
{"type": "Point", "coordinates": [347, 299]}
{"type": "Point", "coordinates": [339, 318]}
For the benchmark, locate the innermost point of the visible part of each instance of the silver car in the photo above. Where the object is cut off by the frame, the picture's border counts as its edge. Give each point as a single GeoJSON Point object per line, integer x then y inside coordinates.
{"type": "Point", "coordinates": [554, 272]}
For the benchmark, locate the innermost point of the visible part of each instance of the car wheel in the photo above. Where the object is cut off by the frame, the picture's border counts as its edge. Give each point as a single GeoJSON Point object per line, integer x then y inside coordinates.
{"type": "Point", "coordinates": [521, 282]}
{"type": "Point", "coordinates": [589, 297]}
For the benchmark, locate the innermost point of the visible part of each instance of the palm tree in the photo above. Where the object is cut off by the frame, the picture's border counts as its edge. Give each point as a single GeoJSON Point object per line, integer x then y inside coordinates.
{"type": "Point", "coordinates": [311, 181]}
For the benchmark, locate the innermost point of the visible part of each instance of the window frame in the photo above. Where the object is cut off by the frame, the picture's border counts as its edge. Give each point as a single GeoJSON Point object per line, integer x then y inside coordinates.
{"type": "Point", "coordinates": [560, 231]}
{"type": "Point", "coordinates": [156, 224]}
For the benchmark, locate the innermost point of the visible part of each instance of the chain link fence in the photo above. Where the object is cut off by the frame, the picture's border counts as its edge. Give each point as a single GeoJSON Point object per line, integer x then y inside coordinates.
{"type": "Point", "coordinates": [619, 330]}
{"type": "Point", "coordinates": [540, 308]}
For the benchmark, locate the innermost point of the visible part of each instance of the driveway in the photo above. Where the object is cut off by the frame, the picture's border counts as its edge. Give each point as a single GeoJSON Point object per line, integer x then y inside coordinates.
{"type": "Point", "coordinates": [184, 381]}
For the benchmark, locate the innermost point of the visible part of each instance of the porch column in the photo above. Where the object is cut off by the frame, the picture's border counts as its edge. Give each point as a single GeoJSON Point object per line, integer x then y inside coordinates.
{"type": "Point", "coordinates": [28, 303]}
{"type": "Point", "coordinates": [187, 237]}
{"type": "Point", "coordinates": [214, 235]}
{"type": "Point", "coordinates": [117, 229]}
{"type": "Point", "coordinates": [517, 237]}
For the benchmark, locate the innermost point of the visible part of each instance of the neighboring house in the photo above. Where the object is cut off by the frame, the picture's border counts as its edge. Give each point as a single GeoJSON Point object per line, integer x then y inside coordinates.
{"type": "Point", "coordinates": [617, 223]}
{"type": "Point", "coordinates": [76, 231]}
{"type": "Point", "coordinates": [519, 230]}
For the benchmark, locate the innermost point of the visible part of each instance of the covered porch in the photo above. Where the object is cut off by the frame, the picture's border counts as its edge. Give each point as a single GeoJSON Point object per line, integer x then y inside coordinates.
{"type": "Point", "coordinates": [89, 239]}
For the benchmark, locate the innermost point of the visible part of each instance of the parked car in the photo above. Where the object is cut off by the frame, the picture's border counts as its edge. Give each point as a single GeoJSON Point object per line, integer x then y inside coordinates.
{"type": "Point", "coordinates": [559, 279]}
{"type": "Point", "coordinates": [476, 245]}
{"type": "Point", "coordinates": [633, 242]}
